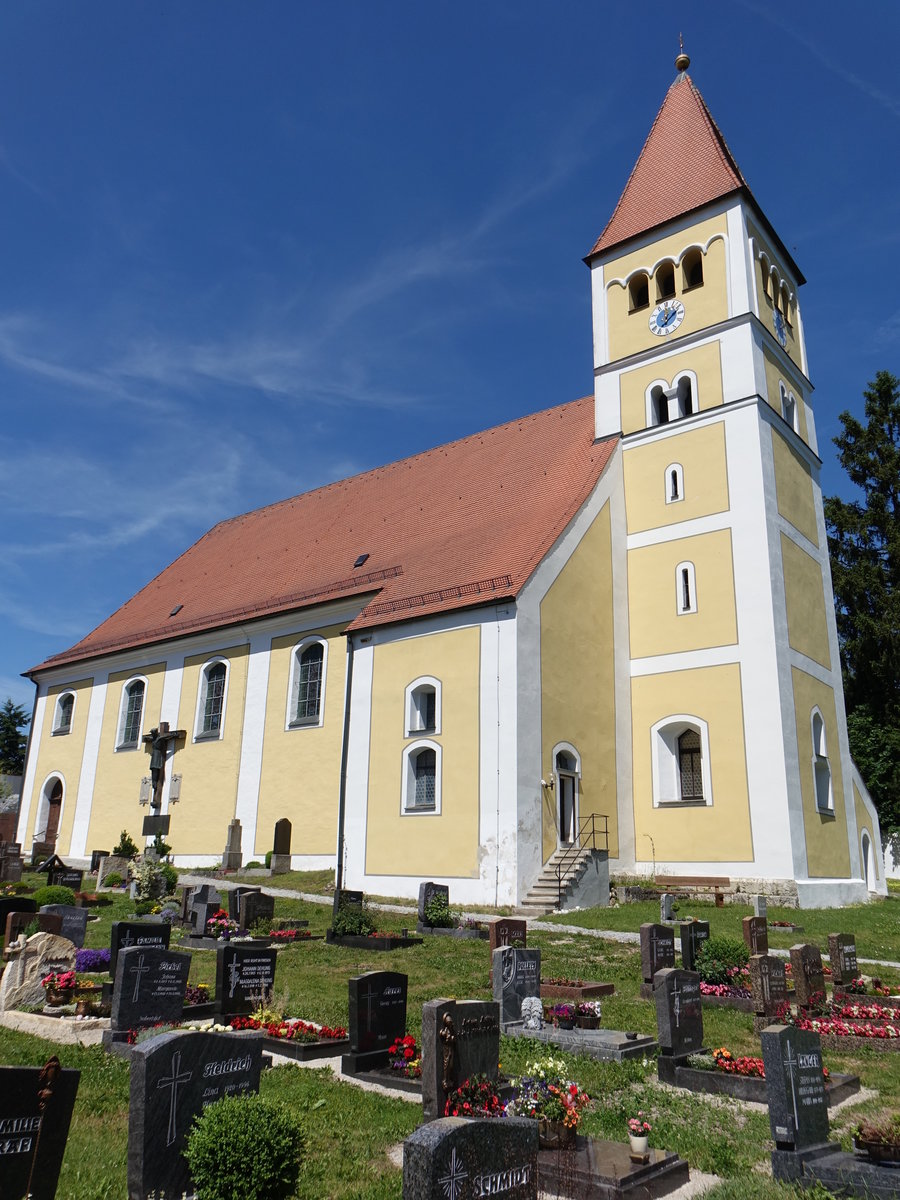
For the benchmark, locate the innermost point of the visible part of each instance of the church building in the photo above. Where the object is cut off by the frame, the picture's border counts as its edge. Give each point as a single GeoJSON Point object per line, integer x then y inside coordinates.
{"type": "Point", "coordinates": [606, 625]}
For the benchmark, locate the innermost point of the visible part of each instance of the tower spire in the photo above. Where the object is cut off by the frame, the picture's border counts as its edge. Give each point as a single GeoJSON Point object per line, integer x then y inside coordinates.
{"type": "Point", "coordinates": [682, 61]}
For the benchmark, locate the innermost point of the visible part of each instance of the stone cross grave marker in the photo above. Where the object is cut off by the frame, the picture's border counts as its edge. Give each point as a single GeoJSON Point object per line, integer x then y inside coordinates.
{"type": "Point", "coordinates": [760, 906]}
{"type": "Point", "coordinates": [136, 933]}
{"type": "Point", "coordinates": [35, 1112]}
{"type": "Point", "coordinates": [657, 950]}
{"type": "Point", "coordinates": [20, 984]}
{"type": "Point", "coordinates": [17, 922]}
{"type": "Point", "coordinates": [173, 1078]}
{"type": "Point", "coordinates": [281, 848]}
{"type": "Point", "coordinates": [809, 978]}
{"type": "Point", "coordinates": [756, 934]}
{"type": "Point", "coordinates": [377, 1015]}
{"type": "Point", "coordinates": [234, 901]}
{"type": "Point", "coordinates": [666, 907]}
{"type": "Point", "coordinates": [795, 1086]}
{"type": "Point", "coordinates": [460, 1038]}
{"type": "Point", "coordinates": [679, 1012]}
{"type": "Point", "coordinates": [73, 921]}
{"type": "Point", "coordinates": [516, 974]}
{"type": "Point", "coordinates": [454, 1159]}
{"type": "Point", "coordinates": [842, 957]}
{"type": "Point", "coordinates": [255, 906]}
{"type": "Point", "coordinates": [111, 864]}
{"type": "Point", "coordinates": [149, 987]}
{"type": "Point", "coordinates": [427, 892]}
{"type": "Point", "coordinates": [63, 876]}
{"type": "Point", "coordinates": [768, 984]}
{"type": "Point", "coordinates": [693, 934]}
{"type": "Point", "coordinates": [245, 976]}
{"type": "Point", "coordinates": [232, 857]}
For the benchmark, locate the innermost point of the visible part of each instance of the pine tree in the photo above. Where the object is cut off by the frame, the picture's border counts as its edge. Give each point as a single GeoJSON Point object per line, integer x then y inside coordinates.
{"type": "Point", "coordinates": [14, 720]}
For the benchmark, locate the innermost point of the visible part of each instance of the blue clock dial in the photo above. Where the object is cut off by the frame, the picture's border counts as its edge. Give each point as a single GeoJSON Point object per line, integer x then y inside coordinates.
{"type": "Point", "coordinates": [666, 317]}
{"type": "Point", "coordinates": [780, 327]}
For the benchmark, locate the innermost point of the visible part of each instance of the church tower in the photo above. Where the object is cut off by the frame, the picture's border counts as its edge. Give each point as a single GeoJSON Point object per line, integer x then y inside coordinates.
{"type": "Point", "coordinates": [738, 741]}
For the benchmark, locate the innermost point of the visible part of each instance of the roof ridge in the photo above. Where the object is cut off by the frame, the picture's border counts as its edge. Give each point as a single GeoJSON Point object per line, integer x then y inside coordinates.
{"type": "Point", "coordinates": [720, 142]}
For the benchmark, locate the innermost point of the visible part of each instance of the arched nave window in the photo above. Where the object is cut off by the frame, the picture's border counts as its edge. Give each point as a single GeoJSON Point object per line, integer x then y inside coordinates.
{"type": "Point", "coordinates": [423, 706]}
{"type": "Point", "coordinates": [64, 713]}
{"type": "Point", "coordinates": [131, 712]}
{"type": "Point", "coordinates": [306, 703]}
{"type": "Point", "coordinates": [422, 778]}
{"type": "Point", "coordinates": [211, 699]}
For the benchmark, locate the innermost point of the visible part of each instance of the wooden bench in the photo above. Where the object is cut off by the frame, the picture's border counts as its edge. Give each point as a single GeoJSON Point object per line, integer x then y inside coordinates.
{"type": "Point", "coordinates": [696, 885]}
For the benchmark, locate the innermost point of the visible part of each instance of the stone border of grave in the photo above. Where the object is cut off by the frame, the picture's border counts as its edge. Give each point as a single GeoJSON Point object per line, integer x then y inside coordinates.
{"type": "Point", "coordinates": [195, 942]}
{"type": "Point", "coordinates": [306, 1051]}
{"type": "Point", "coordinates": [751, 1088]}
{"type": "Point", "coordinates": [603, 1045]}
{"type": "Point", "coordinates": [738, 1003]}
{"type": "Point", "coordinates": [387, 1078]}
{"type": "Point", "coordinates": [480, 935]}
{"type": "Point", "coordinates": [841, 997]}
{"type": "Point", "coordinates": [358, 942]}
{"type": "Point", "coordinates": [589, 991]}
{"type": "Point", "coordinates": [595, 1167]}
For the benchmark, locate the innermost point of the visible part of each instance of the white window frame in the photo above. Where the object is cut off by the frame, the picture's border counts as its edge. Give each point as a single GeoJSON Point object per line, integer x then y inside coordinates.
{"type": "Point", "coordinates": [665, 767]}
{"type": "Point", "coordinates": [201, 735]}
{"type": "Point", "coordinates": [674, 406]}
{"type": "Point", "coordinates": [290, 718]}
{"type": "Point", "coordinates": [821, 763]}
{"type": "Point", "coordinates": [408, 779]}
{"type": "Point", "coordinates": [411, 711]}
{"type": "Point", "coordinates": [676, 470]}
{"type": "Point", "coordinates": [60, 730]}
{"type": "Point", "coordinates": [788, 405]}
{"type": "Point", "coordinates": [121, 744]}
{"type": "Point", "coordinates": [681, 608]}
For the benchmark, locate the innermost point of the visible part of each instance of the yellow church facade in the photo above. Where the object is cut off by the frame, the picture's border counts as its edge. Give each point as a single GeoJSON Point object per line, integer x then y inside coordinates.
{"type": "Point", "coordinates": [451, 666]}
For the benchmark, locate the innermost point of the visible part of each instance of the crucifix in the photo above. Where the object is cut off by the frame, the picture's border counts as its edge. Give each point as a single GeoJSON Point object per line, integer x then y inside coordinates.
{"type": "Point", "coordinates": [172, 1083]}
{"type": "Point", "coordinates": [137, 971]}
{"type": "Point", "coordinates": [234, 977]}
{"type": "Point", "coordinates": [764, 980]}
{"type": "Point", "coordinates": [790, 1063]}
{"type": "Point", "coordinates": [368, 996]}
{"type": "Point", "coordinates": [676, 1004]}
{"type": "Point", "coordinates": [158, 740]}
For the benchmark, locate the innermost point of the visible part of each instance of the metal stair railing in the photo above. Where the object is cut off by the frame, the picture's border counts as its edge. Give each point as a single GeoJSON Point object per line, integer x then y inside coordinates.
{"type": "Point", "coordinates": [593, 834]}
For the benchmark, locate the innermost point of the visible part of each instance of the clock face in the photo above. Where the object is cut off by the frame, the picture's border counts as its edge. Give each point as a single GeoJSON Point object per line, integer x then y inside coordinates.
{"type": "Point", "coordinates": [780, 328]}
{"type": "Point", "coordinates": [666, 317]}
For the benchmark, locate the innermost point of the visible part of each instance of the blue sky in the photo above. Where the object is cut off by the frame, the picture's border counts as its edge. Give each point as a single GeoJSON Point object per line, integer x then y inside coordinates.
{"type": "Point", "coordinates": [249, 248]}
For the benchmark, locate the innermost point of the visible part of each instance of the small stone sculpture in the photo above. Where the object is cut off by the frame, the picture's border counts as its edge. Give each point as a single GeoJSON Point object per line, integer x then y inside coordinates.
{"type": "Point", "coordinates": [532, 1012]}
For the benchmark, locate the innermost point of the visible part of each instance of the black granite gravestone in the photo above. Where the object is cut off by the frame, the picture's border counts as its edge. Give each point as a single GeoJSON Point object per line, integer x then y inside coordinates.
{"type": "Point", "coordinates": [202, 903]}
{"type": "Point", "coordinates": [64, 876]}
{"type": "Point", "coordinates": [842, 957]}
{"type": "Point", "coordinates": [808, 976]}
{"type": "Point", "coordinates": [453, 1159]}
{"type": "Point", "coordinates": [14, 904]}
{"type": "Point", "coordinates": [96, 855]}
{"type": "Point", "coordinates": [377, 1015]}
{"type": "Point", "coordinates": [234, 901]}
{"type": "Point", "coordinates": [693, 934]}
{"type": "Point", "coordinates": [667, 907]}
{"type": "Point", "coordinates": [245, 976]}
{"type": "Point", "coordinates": [136, 933]}
{"type": "Point", "coordinates": [255, 906]}
{"type": "Point", "coordinates": [679, 1018]}
{"type": "Point", "coordinates": [516, 975]}
{"type": "Point", "coordinates": [795, 1086]}
{"type": "Point", "coordinates": [427, 892]}
{"type": "Point", "coordinates": [155, 824]}
{"type": "Point", "coordinates": [18, 922]}
{"type": "Point", "coordinates": [74, 921]}
{"type": "Point", "coordinates": [148, 987]}
{"type": "Point", "coordinates": [756, 934]}
{"type": "Point", "coordinates": [345, 898]}
{"type": "Point", "coordinates": [460, 1038]}
{"type": "Point", "coordinates": [282, 840]}
{"type": "Point", "coordinates": [768, 984]}
{"type": "Point", "coordinates": [173, 1078]}
{"type": "Point", "coordinates": [32, 1142]}
{"type": "Point", "coordinates": [657, 950]}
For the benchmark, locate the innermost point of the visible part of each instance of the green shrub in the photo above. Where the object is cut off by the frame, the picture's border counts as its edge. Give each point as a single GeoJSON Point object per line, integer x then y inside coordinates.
{"type": "Point", "coordinates": [144, 908]}
{"type": "Point", "coordinates": [352, 920]}
{"type": "Point", "coordinates": [719, 955]}
{"type": "Point", "coordinates": [170, 875]}
{"type": "Point", "coordinates": [161, 846]}
{"type": "Point", "coordinates": [244, 1148]}
{"type": "Point", "coordinates": [127, 847]}
{"type": "Point", "coordinates": [53, 895]}
{"type": "Point", "coordinates": [437, 912]}
{"type": "Point", "coordinates": [268, 859]}
{"type": "Point", "coordinates": [253, 866]}
{"type": "Point", "coordinates": [113, 879]}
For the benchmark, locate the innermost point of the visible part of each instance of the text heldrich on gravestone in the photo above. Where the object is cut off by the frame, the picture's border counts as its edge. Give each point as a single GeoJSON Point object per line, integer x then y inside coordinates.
{"type": "Point", "coordinates": [795, 1085]}
{"type": "Point", "coordinates": [377, 1015]}
{"type": "Point", "coordinates": [453, 1159]}
{"type": "Point", "coordinates": [173, 1078]}
{"type": "Point", "coordinates": [245, 976]}
{"type": "Point", "coordinates": [32, 1141]}
{"type": "Point", "coordinates": [125, 934]}
{"type": "Point", "coordinates": [516, 975]}
{"type": "Point", "coordinates": [657, 950]}
{"type": "Point", "coordinates": [149, 987]}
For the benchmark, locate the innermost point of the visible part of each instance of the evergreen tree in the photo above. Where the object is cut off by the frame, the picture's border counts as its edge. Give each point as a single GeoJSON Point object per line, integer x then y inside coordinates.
{"type": "Point", "coordinates": [864, 542]}
{"type": "Point", "coordinates": [14, 720]}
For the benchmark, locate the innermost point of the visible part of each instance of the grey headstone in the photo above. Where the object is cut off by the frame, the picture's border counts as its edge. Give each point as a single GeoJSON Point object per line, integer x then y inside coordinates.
{"type": "Point", "coordinates": [756, 934]}
{"type": "Point", "coordinates": [24, 1114]}
{"type": "Point", "coordinates": [795, 1086]}
{"type": "Point", "coordinates": [667, 907]}
{"type": "Point", "coordinates": [842, 957]}
{"type": "Point", "coordinates": [234, 901]}
{"type": "Point", "coordinates": [255, 906]}
{"type": "Point", "coordinates": [232, 857]}
{"type": "Point", "coordinates": [73, 921]}
{"type": "Point", "coordinates": [768, 984]}
{"type": "Point", "coordinates": [173, 1078]}
{"type": "Point", "coordinates": [426, 892]}
{"type": "Point", "coordinates": [679, 1012]}
{"type": "Point", "coordinates": [657, 950]}
{"type": "Point", "coordinates": [111, 864]}
{"type": "Point", "coordinates": [148, 987]}
{"type": "Point", "coordinates": [460, 1038]}
{"type": "Point", "coordinates": [760, 906]}
{"type": "Point", "coordinates": [809, 978]}
{"type": "Point", "coordinates": [136, 933]}
{"type": "Point", "coordinates": [20, 983]}
{"type": "Point", "coordinates": [245, 976]}
{"type": "Point", "coordinates": [693, 935]}
{"type": "Point", "coordinates": [204, 902]}
{"type": "Point", "coordinates": [454, 1159]}
{"type": "Point", "coordinates": [376, 1011]}
{"type": "Point", "coordinates": [516, 975]}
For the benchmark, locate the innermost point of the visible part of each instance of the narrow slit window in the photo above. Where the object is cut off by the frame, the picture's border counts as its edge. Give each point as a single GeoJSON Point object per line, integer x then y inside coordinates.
{"type": "Point", "coordinates": [674, 483]}
{"type": "Point", "coordinates": [686, 588]}
{"type": "Point", "coordinates": [659, 405]}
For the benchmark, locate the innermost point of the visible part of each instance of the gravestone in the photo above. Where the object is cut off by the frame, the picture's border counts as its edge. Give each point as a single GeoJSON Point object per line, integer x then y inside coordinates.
{"type": "Point", "coordinates": [507, 931]}
{"type": "Point", "coordinates": [657, 950]}
{"type": "Point", "coordinates": [532, 1013]}
{"type": "Point", "coordinates": [768, 984]}
{"type": "Point", "coordinates": [842, 957]}
{"type": "Point", "coordinates": [808, 976]}
{"type": "Point", "coordinates": [377, 1016]}
{"type": "Point", "coordinates": [460, 1038]}
{"type": "Point", "coordinates": [516, 975]}
{"type": "Point", "coordinates": [245, 976]}
{"type": "Point", "coordinates": [232, 857]}
{"type": "Point", "coordinates": [203, 902]}
{"type": "Point", "coordinates": [17, 922]}
{"type": "Point", "coordinates": [35, 1112]}
{"type": "Point", "coordinates": [70, 877]}
{"type": "Point", "coordinates": [693, 935]}
{"type": "Point", "coordinates": [756, 934]}
{"type": "Point", "coordinates": [795, 1086]}
{"type": "Point", "coordinates": [173, 1078]}
{"type": "Point", "coordinates": [73, 921]}
{"type": "Point", "coordinates": [427, 892]}
{"type": "Point", "coordinates": [149, 987]}
{"type": "Point", "coordinates": [51, 863]}
{"type": "Point", "coordinates": [255, 906]}
{"type": "Point", "coordinates": [666, 907]}
{"type": "Point", "coordinates": [96, 855]}
{"type": "Point", "coordinates": [136, 933]}
{"type": "Point", "coordinates": [112, 864]}
{"type": "Point", "coordinates": [20, 984]}
{"type": "Point", "coordinates": [234, 897]}
{"type": "Point", "coordinates": [11, 862]}
{"type": "Point", "coordinates": [679, 1014]}
{"type": "Point", "coordinates": [10, 904]}
{"type": "Point", "coordinates": [346, 898]}
{"type": "Point", "coordinates": [453, 1159]}
{"type": "Point", "coordinates": [39, 853]}
{"type": "Point", "coordinates": [280, 862]}
{"type": "Point", "coordinates": [760, 906]}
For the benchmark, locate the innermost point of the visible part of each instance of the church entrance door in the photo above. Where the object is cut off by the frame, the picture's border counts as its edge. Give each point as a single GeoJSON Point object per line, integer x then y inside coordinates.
{"type": "Point", "coordinates": [567, 802]}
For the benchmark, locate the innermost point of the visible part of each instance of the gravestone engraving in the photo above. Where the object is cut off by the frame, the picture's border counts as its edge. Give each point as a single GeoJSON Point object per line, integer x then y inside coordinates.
{"type": "Point", "coordinates": [768, 984]}
{"type": "Point", "coordinates": [149, 987]}
{"type": "Point", "coordinates": [245, 976]}
{"type": "Point", "coordinates": [377, 1015]}
{"type": "Point", "coordinates": [756, 934]}
{"type": "Point", "coordinates": [760, 906]}
{"type": "Point", "coordinates": [20, 984]}
{"type": "Point", "coordinates": [173, 1078]}
{"type": "Point", "coordinates": [11, 862]}
{"type": "Point", "coordinates": [281, 848]}
{"type": "Point", "coordinates": [842, 957]}
{"type": "Point", "coordinates": [111, 864]}
{"type": "Point", "coordinates": [657, 950]}
{"type": "Point", "coordinates": [232, 857]}
{"type": "Point", "coordinates": [507, 931]}
{"type": "Point", "coordinates": [679, 1012]}
{"type": "Point", "coordinates": [64, 876]}
{"type": "Point", "coordinates": [427, 892]}
{"type": "Point", "coordinates": [454, 1159]}
{"type": "Point", "coordinates": [516, 975]}
{"type": "Point", "coordinates": [136, 933]}
{"type": "Point", "coordinates": [460, 1038]}
{"type": "Point", "coordinates": [18, 922]}
{"type": "Point", "coordinates": [666, 907]}
{"type": "Point", "coordinates": [35, 1112]}
{"type": "Point", "coordinates": [73, 921]}
{"type": "Point", "coordinates": [234, 898]}
{"type": "Point", "coordinates": [255, 906]}
{"type": "Point", "coordinates": [693, 935]}
{"type": "Point", "coordinates": [96, 855]}
{"type": "Point", "coordinates": [795, 1086]}
{"type": "Point", "coordinates": [808, 976]}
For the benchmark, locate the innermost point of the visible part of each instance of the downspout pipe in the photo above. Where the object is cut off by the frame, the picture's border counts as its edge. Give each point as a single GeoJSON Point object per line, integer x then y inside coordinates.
{"type": "Point", "coordinates": [345, 754]}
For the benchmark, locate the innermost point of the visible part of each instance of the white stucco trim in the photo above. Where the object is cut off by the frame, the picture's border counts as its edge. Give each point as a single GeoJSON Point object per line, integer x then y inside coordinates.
{"type": "Point", "coordinates": [169, 705]}
{"type": "Point", "coordinates": [28, 782]}
{"type": "Point", "coordinates": [87, 778]}
{"type": "Point", "coordinates": [246, 804]}
{"type": "Point", "coordinates": [356, 803]}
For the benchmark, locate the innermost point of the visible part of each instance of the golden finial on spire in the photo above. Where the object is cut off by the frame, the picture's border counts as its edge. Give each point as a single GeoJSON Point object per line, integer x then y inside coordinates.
{"type": "Point", "coordinates": [682, 62]}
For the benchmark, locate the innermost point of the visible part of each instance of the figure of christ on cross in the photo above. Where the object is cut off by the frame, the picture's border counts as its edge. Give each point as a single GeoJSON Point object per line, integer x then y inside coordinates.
{"type": "Point", "coordinates": [790, 1062]}
{"type": "Point", "coordinates": [676, 1004]}
{"type": "Point", "coordinates": [173, 1082]}
{"type": "Point", "coordinates": [137, 971]}
{"type": "Point", "coordinates": [159, 739]}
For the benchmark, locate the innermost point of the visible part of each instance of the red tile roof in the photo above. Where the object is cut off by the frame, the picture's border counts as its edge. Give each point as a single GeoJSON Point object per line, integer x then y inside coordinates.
{"type": "Point", "coordinates": [462, 524]}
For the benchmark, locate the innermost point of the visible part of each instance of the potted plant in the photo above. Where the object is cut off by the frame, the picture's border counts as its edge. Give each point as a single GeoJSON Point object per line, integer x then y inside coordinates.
{"type": "Point", "coordinates": [556, 1103]}
{"type": "Point", "coordinates": [639, 1136]}
{"type": "Point", "coordinates": [879, 1138]}
{"type": "Point", "coordinates": [60, 987]}
{"type": "Point", "coordinates": [563, 1015]}
{"type": "Point", "coordinates": [588, 1013]}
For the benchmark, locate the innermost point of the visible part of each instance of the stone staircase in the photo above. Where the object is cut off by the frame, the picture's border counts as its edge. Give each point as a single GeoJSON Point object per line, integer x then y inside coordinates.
{"type": "Point", "coordinates": [544, 895]}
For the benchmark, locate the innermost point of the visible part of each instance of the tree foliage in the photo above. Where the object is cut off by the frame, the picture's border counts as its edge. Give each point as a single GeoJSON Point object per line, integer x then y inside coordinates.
{"type": "Point", "coordinates": [864, 542]}
{"type": "Point", "coordinates": [14, 721]}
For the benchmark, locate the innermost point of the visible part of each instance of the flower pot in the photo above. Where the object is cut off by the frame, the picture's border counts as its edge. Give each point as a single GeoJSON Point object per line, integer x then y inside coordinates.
{"type": "Point", "coordinates": [588, 1022]}
{"type": "Point", "coordinates": [565, 1022]}
{"type": "Point", "coordinates": [57, 996]}
{"type": "Point", "coordinates": [555, 1135]}
{"type": "Point", "coordinates": [878, 1152]}
{"type": "Point", "coordinates": [640, 1147]}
